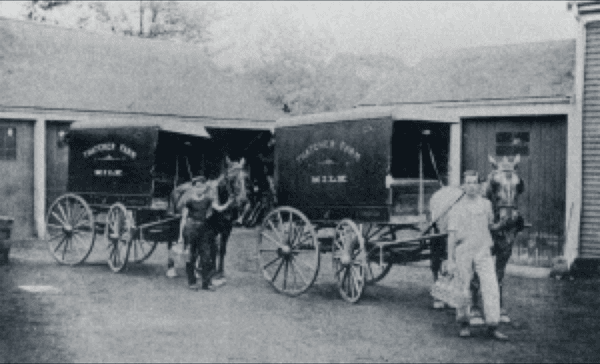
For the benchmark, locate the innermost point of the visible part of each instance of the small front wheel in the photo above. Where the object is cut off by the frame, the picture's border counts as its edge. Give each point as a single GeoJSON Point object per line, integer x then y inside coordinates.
{"type": "Point", "coordinates": [118, 234]}
{"type": "Point", "coordinates": [349, 260]}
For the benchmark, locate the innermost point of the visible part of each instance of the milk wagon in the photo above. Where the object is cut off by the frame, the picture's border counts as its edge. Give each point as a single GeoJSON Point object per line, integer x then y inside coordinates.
{"type": "Point", "coordinates": [120, 178]}
{"type": "Point", "coordinates": [354, 185]}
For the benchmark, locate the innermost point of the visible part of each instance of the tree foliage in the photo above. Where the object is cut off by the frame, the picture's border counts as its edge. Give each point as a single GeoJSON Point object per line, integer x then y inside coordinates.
{"type": "Point", "coordinates": [173, 20]}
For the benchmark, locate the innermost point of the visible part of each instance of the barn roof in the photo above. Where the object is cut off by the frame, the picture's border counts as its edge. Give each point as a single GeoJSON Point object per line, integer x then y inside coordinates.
{"type": "Point", "coordinates": [527, 70]}
{"type": "Point", "coordinates": [53, 68]}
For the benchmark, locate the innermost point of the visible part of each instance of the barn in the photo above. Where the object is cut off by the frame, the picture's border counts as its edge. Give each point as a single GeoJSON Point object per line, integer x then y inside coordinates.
{"type": "Point", "coordinates": [53, 76]}
{"type": "Point", "coordinates": [503, 101]}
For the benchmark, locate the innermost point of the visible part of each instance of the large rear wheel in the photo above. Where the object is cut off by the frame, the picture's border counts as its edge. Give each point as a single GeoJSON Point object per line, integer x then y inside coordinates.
{"type": "Point", "coordinates": [70, 229]}
{"type": "Point", "coordinates": [288, 251]}
{"type": "Point", "coordinates": [118, 234]}
{"type": "Point", "coordinates": [349, 260]}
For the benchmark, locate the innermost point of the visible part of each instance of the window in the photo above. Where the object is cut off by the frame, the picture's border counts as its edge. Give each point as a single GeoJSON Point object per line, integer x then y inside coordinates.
{"type": "Point", "coordinates": [512, 143]}
{"type": "Point", "coordinates": [8, 143]}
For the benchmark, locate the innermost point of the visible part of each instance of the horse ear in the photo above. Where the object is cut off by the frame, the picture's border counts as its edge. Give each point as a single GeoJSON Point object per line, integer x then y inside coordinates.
{"type": "Point", "coordinates": [242, 162]}
{"type": "Point", "coordinates": [517, 159]}
{"type": "Point", "coordinates": [493, 161]}
{"type": "Point", "coordinates": [227, 160]}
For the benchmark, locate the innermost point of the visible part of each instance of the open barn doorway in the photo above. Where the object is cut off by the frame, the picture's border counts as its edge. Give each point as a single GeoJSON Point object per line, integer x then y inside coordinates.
{"type": "Point", "coordinates": [419, 164]}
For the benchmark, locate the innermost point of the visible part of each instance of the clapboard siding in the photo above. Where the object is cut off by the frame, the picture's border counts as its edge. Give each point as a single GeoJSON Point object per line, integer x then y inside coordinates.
{"type": "Point", "coordinates": [590, 212]}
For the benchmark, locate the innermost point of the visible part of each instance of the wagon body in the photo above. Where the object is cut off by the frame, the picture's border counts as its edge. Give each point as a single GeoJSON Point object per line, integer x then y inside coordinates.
{"type": "Point", "coordinates": [366, 169]}
{"type": "Point", "coordinates": [121, 175]}
{"type": "Point", "coordinates": [131, 164]}
{"type": "Point", "coordinates": [354, 184]}
{"type": "Point", "coordinates": [335, 170]}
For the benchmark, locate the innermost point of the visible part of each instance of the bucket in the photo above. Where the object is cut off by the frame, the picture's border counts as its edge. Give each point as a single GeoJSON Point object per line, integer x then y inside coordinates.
{"type": "Point", "coordinates": [6, 224]}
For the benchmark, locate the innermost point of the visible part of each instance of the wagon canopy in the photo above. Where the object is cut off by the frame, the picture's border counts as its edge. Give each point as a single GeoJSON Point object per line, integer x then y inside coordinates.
{"type": "Point", "coordinates": [338, 163]}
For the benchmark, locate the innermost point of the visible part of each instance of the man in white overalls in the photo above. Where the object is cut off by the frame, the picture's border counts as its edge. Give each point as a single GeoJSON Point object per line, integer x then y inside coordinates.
{"type": "Point", "coordinates": [469, 251]}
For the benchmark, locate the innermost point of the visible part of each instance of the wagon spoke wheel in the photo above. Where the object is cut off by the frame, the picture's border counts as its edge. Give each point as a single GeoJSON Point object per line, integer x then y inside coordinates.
{"type": "Point", "coordinates": [70, 231]}
{"type": "Point", "coordinates": [378, 262]}
{"type": "Point", "coordinates": [141, 250]}
{"type": "Point", "coordinates": [349, 260]}
{"type": "Point", "coordinates": [288, 251]}
{"type": "Point", "coordinates": [118, 234]}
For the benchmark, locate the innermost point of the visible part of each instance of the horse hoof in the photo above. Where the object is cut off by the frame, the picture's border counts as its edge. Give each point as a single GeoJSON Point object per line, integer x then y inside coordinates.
{"type": "Point", "coordinates": [476, 321]}
{"type": "Point", "coordinates": [171, 273]}
{"type": "Point", "coordinates": [504, 319]}
{"type": "Point", "coordinates": [438, 305]}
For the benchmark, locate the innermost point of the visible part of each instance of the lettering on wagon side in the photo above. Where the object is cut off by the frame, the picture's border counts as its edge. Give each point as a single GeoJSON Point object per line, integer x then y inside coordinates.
{"type": "Point", "coordinates": [329, 179]}
{"type": "Point", "coordinates": [110, 147]}
{"type": "Point", "coordinates": [329, 144]}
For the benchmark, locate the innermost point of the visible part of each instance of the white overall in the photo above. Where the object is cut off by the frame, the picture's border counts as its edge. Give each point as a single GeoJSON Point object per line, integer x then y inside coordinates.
{"type": "Point", "coordinates": [470, 220]}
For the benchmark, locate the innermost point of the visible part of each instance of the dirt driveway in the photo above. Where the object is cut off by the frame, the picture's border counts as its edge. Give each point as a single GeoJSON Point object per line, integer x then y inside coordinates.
{"type": "Point", "coordinates": [52, 313]}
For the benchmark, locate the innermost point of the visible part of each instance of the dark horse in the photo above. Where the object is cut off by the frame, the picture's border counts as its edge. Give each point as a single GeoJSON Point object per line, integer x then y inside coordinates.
{"type": "Point", "coordinates": [232, 181]}
{"type": "Point", "coordinates": [502, 187]}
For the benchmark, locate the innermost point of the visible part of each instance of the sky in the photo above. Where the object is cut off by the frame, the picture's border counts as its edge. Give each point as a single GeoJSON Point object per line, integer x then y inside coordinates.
{"type": "Point", "coordinates": [406, 29]}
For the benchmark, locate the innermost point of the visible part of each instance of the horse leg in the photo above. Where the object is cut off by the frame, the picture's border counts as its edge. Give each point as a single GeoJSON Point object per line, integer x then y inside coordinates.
{"type": "Point", "coordinates": [171, 272]}
{"type": "Point", "coordinates": [225, 234]}
{"type": "Point", "coordinates": [438, 254]}
{"type": "Point", "coordinates": [475, 288]}
{"type": "Point", "coordinates": [438, 251]}
{"type": "Point", "coordinates": [503, 253]}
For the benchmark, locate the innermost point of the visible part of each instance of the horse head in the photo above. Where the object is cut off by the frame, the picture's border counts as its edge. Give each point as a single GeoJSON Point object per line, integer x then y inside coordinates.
{"type": "Point", "coordinates": [237, 180]}
{"type": "Point", "coordinates": [504, 185]}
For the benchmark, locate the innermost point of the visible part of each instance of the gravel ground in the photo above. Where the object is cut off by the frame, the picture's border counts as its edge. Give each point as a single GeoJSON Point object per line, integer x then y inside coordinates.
{"type": "Point", "coordinates": [88, 314]}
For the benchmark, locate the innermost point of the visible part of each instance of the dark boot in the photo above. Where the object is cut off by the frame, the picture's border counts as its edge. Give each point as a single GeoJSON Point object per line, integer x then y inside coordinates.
{"type": "Point", "coordinates": [190, 272]}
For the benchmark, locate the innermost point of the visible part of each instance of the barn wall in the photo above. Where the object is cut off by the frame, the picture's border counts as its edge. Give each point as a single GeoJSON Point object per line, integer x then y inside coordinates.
{"type": "Point", "coordinates": [16, 184]}
{"type": "Point", "coordinates": [542, 166]}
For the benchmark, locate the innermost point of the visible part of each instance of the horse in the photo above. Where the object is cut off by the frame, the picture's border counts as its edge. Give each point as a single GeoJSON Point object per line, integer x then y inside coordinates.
{"type": "Point", "coordinates": [232, 181]}
{"type": "Point", "coordinates": [502, 187]}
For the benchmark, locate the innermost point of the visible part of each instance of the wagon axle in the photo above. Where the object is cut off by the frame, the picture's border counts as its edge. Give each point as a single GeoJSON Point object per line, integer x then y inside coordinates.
{"type": "Point", "coordinates": [68, 230]}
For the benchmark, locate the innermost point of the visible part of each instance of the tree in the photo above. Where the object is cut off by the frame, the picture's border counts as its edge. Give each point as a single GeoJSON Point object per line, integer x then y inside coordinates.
{"type": "Point", "coordinates": [174, 20]}
{"type": "Point", "coordinates": [287, 56]}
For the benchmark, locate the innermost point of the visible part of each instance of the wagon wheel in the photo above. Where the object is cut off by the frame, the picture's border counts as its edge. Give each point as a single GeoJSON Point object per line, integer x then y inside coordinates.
{"type": "Point", "coordinates": [288, 251]}
{"type": "Point", "coordinates": [349, 260]}
{"type": "Point", "coordinates": [141, 250]}
{"type": "Point", "coordinates": [378, 265]}
{"type": "Point", "coordinates": [70, 231]}
{"type": "Point", "coordinates": [118, 234]}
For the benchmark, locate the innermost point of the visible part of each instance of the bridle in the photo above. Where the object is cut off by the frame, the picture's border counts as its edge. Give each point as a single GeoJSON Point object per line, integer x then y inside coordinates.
{"type": "Point", "coordinates": [235, 179]}
{"type": "Point", "coordinates": [508, 206]}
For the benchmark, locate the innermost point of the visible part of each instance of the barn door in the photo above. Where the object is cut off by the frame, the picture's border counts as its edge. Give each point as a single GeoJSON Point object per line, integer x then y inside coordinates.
{"type": "Point", "coordinates": [541, 143]}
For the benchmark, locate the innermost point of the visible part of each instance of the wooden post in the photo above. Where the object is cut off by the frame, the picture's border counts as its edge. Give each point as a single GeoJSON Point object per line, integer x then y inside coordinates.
{"type": "Point", "coordinates": [421, 187]}
{"type": "Point", "coordinates": [39, 176]}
